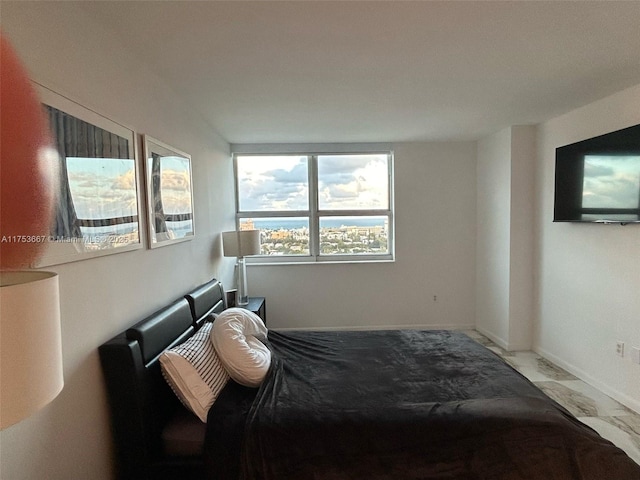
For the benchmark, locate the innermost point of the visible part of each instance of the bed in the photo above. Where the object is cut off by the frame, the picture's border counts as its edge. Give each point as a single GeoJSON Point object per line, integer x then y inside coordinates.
{"type": "Point", "coordinates": [399, 404]}
{"type": "Point", "coordinates": [155, 437]}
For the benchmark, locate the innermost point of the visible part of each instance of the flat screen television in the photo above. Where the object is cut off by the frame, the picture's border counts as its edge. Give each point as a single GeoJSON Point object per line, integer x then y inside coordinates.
{"type": "Point", "coordinates": [598, 180]}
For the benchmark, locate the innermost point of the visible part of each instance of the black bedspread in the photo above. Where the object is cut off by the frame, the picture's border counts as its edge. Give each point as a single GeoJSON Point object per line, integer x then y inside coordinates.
{"type": "Point", "coordinates": [403, 405]}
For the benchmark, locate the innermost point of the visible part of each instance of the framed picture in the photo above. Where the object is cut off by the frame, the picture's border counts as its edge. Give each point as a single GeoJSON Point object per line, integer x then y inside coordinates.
{"type": "Point", "coordinates": [169, 193]}
{"type": "Point", "coordinates": [97, 211]}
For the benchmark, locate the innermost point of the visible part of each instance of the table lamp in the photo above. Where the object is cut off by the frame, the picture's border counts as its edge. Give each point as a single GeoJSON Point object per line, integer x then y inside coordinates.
{"type": "Point", "coordinates": [241, 243]}
{"type": "Point", "coordinates": [31, 373]}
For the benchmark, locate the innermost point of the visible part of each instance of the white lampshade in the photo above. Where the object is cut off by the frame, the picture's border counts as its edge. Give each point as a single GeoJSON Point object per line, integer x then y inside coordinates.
{"type": "Point", "coordinates": [30, 343]}
{"type": "Point", "coordinates": [241, 243]}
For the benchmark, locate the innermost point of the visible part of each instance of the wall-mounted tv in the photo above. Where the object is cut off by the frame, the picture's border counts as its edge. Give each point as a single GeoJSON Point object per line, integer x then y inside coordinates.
{"type": "Point", "coordinates": [598, 180]}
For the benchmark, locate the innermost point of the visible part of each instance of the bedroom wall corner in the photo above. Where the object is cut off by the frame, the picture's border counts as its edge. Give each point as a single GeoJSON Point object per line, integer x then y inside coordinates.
{"type": "Point", "coordinates": [504, 257]}
{"type": "Point", "coordinates": [492, 245]}
{"type": "Point", "coordinates": [521, 268]}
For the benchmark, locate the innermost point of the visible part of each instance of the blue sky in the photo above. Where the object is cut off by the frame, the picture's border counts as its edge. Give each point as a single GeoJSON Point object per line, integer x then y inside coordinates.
{"type": "Point", "coordinates": [344, 181]}
{"type": "Point", "coordinates": [106, 187]}
{"type": "Point", "coordinates": [176, 185]}
{"type": "Point", "coordinates": [102, 187]}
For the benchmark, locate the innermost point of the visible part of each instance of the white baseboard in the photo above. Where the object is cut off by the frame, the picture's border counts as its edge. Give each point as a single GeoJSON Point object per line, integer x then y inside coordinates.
{"type": "Point", "coordinates": [503, 343]}
{"type": "Point", "coordinates": [626, 400]}
{"type": "Point", "coordinates": [497, 340]}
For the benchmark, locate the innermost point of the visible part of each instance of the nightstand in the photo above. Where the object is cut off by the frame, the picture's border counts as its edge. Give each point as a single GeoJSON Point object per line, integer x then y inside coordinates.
{"type": "Point", "coordinates": [257, 305]}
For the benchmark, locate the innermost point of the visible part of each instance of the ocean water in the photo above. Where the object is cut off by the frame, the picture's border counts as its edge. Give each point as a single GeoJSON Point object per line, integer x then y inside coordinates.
{"type": "Point", "coordinates": [291, 224]}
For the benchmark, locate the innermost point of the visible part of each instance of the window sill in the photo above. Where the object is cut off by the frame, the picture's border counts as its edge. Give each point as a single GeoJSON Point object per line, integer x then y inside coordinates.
{"type": "Point", "coordinates": [309, 261]}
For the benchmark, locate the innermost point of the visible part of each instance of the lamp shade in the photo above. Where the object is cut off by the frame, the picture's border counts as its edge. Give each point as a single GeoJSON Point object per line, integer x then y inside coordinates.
{"type": "Point", "coordinates": [241, 243]}
{"type": "Point", "coordinates": [30, 343]}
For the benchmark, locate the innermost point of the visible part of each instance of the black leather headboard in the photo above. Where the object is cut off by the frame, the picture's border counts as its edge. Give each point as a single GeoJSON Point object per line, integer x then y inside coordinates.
{"type": "Point", "coordinates": [208, 298]}
{"type": "Point", "coordinates": [141, 401]}
{"type": "Point", "coordinates": [163, 329]}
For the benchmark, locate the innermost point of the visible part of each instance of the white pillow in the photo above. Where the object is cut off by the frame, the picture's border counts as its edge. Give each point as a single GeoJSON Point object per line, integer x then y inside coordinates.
{"type": "Point", "coordinates": [194, 372]}
{"type": "Point", "coordinates": [235, 336]}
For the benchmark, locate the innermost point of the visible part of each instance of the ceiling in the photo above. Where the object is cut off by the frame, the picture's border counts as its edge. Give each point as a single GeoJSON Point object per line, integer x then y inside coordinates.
{"type": "Point", "coordinates": [383, 71]}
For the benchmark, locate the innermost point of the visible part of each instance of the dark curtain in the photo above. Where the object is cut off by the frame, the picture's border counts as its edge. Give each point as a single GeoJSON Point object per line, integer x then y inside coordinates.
{"type": "Point", "coordinates": [159, 220]}
{"type": "Point", "coordinates": [76, 138]}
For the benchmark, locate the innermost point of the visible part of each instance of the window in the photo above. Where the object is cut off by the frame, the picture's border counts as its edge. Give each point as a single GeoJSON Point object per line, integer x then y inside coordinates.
{"type": "Point", "coordinates": [317, 207]}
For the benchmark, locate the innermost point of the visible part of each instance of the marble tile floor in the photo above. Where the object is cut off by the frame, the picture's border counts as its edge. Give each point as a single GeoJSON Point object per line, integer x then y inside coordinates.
{"type": "Point", "coordinates": [609, 418]}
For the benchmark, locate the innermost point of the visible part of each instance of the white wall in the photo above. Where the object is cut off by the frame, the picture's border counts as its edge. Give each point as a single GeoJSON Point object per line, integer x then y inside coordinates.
{"type": "Point", "coordinates": [523, 159]}
{"type": "Point", "coordinates": [588, 277]}
{"type": "Point", "coordinates": [494, 236]}
{"type": "Point", "coordinates": [71, 438]}
{"type": "Point", "coordinates": [504, 253]}
{"type": "Point", "coordinates": [435, 255]}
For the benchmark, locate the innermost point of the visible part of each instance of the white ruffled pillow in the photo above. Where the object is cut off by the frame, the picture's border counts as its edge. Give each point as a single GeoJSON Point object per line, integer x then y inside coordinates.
{"type": "Point", "coordinates": [236, 335]}
{"type": "Point", "coordinates": [194, 372]}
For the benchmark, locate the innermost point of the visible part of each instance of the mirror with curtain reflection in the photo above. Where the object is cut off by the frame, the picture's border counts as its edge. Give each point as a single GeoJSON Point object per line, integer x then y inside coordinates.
{"type": "Point", "coordinates": [169, 193]}
{"type": "Point", "coordinates": [97, 211]}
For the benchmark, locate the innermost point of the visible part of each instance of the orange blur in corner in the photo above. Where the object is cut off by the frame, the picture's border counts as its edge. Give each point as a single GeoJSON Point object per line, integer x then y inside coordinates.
{"type": "Point", "coordinates": [28, 166]}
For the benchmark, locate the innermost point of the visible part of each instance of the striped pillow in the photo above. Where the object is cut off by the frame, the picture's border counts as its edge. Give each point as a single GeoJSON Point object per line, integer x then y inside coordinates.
{"type": "Point", "coordinates": [194, 372]}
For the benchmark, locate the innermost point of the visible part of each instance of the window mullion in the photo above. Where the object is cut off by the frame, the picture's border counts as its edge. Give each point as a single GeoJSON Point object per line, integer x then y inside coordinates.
{"type": "Point", "coordinates": [314, 221]}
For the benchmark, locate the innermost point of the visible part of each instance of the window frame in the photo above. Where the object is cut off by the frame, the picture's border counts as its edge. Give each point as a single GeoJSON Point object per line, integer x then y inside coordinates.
{"type": "Point", "coordinates": [314, 213]}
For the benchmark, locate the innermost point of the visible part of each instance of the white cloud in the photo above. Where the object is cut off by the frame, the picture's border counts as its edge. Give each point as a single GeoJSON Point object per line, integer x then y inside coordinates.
{"type": "Point", "coordinates": [611, 182]}
{"type": "Point", "coordinates": [281, 183]}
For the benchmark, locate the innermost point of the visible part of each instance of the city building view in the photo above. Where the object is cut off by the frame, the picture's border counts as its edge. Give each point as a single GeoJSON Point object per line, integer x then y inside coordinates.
{"type": "Point", "coordinates": [336, 239]}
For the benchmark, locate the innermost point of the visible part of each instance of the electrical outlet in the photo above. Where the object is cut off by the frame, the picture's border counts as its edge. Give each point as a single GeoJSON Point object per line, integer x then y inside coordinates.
{"type": "Point", "coordinates": [635, 355]}
{"type": "Point", "coordinates": [620, 349]}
